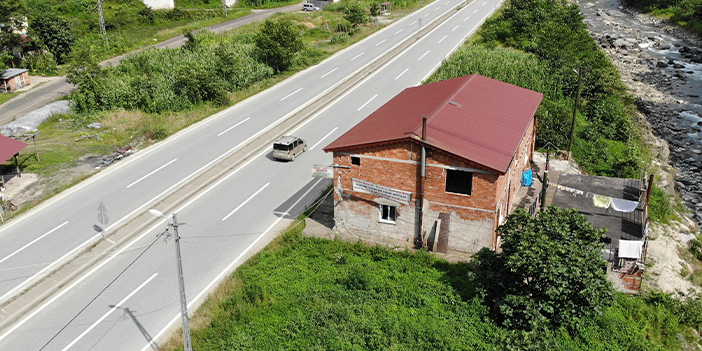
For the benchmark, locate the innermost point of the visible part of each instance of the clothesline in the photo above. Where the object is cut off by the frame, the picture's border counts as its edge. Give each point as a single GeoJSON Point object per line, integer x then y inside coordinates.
{"type": "Point", "coordinates": [601, 201]}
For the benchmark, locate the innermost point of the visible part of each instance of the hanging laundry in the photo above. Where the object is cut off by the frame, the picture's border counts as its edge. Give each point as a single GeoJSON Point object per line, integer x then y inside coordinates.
{"type": "Point", "coordinates": [601, 201]}
{"type": "Point", "coordinates": [579, 192]}
{"type": "Point", "coordinates": [622, 205]}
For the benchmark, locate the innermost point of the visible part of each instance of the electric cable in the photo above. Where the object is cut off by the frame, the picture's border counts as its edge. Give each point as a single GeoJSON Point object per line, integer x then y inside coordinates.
{"type": "Point", "coordinates": [99, 294]}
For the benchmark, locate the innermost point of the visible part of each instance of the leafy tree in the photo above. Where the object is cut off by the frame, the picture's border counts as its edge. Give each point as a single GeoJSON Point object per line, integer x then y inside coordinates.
{"type": "Point", "coordinates": [56, 33]}
{"type": "Point", "coordinates": [12, 16]}
{"type": "Point", "coordinates": [277, 42]}
{"type": "Point", "coordinates": [355, 14]}
{"type": "Point", "coordinates": [374, 9]}
{"type": "Point", "coordinates": [550, 271]}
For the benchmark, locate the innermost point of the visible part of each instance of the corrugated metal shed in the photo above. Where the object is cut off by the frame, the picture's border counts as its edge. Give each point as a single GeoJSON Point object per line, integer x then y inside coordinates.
{"type": "Point", "coordinates": [11, 72]}
{"type": "Point", "coordinates": [9, 147]}
{"type": "Point", "coordinates": [474, 117]}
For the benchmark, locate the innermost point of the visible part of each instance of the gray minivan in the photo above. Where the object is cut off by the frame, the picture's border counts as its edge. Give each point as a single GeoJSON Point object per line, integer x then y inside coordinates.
{"type": "Point", "coordinates": [288, 147]}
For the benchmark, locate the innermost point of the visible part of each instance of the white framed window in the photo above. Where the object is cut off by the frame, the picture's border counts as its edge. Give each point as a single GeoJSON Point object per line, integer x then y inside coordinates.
{"type": "Point", "coordinates": [388, 214]}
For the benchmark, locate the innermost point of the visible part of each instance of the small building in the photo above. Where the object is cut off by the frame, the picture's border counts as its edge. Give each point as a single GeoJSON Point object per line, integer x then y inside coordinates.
{"type": "Point", "coordinates": [13, 79]}
{"type": "Point", "coordinates": [437, 165]}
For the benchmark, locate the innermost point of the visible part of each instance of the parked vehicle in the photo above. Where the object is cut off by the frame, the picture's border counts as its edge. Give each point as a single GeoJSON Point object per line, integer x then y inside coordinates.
{"type": "Point", "coordinates": [309, 7]}
{"type": "Point", "coordinates": [288, 147]}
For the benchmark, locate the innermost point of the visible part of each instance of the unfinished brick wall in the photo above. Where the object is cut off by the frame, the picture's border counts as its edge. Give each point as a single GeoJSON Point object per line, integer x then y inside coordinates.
{"type": "Point", "coordinates": [397, 166]}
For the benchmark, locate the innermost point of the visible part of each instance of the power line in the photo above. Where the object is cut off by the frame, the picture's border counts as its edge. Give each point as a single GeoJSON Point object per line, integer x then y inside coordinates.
{"type": "Point", "coordinates": [99, 294]}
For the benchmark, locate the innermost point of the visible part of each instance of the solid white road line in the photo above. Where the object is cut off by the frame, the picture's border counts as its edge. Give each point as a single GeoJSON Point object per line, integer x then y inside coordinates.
{"type": "Point", "coordinates": [108, 313]}
{"type": "Point", "coordinates": [357, 56]}
{"type": "Point", "coordinates": [218, 277]}
{"type": "Point", "coordinates": [234, 126]}
{"type": "Point", "coordinates": [291, 94]}
{"type": "Point", "coordinates": [152, 172]}
{"type": "Point", "coordinates": [32, 242]}
{"type": "Point", "coordinates": [398, 32]}
{"type": "Point", "coordinates": [442, 39]}
{"type": "Point", "coordinates": [244, 203]}
{"type": "Point", "coordinates": [454, 28]}
{"type": "Point", "coordinates": [425, 54]}
{"type": "Point", "coordinates": [403, 72]}
{"type": "Point", "coordinates": [328, 73]}
{"type": "Point", "coordinates": [367, 102]}
{"type": "Point", "coordinates": [382, 41]}
{"type": "Point", "coordinates": [466, 19]}
{"type": "Point", "coordinates": [326, 136]}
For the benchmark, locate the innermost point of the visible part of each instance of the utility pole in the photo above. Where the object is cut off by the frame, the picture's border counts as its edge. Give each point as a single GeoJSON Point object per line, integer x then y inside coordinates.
{"type": "Point", "coordinates": [102, 19]}
{"type": "Point", "coordinates": [575, 112]}
{"type": "Point", "coordinates": [187, 343]}
{"type": "Point", "coordinates": [224, 7]}
{"type": "Point", "coordinates": [544, 185]}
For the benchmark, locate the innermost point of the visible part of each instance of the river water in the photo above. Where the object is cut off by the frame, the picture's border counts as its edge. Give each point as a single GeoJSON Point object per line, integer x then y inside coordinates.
{"type": "Point", "coordinates": [662, 66]}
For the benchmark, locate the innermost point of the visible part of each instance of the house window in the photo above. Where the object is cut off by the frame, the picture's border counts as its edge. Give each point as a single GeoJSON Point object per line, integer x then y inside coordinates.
{"type": "Point", "coordinates": [388, 214]}
{"type": "Point", "coordinates": [355, 160]}
{"type": "Point", "coordinates": [459, 182]}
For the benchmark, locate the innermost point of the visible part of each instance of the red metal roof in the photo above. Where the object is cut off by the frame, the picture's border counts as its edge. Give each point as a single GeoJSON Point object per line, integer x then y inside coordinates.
{"type": "Point", "coordinates": [476, 118]}
{"type": "Point", "coordinates": [9, 147]}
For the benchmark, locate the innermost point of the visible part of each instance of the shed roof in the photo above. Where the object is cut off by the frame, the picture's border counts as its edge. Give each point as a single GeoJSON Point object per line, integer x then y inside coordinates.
{"type": "Point", "coordinates": [474, 117]}
{"type": "Point", "coordinates": [11, 72]}
{"type": "Point", "coordinates": [9, 147]}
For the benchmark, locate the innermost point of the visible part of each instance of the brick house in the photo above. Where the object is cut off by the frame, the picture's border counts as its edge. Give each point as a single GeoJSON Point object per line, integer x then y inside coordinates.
{"type": "Point", "coordinates": [439, 164]}
{"type": "Point", "coordinates": [13, 79]}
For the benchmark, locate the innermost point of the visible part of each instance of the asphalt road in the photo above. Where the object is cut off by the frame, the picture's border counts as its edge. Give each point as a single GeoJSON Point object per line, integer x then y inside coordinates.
{"type": "Point", "coordinates": [136, 288]}
{"type": "Point", "coordinates": [50, 92]}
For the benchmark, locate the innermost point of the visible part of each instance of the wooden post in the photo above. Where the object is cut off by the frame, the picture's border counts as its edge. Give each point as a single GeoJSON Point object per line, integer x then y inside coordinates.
{"type": "Point", "coordinates": [19, 175]}
{"type": "Point", "coordinates": [648, 190]}
{"type": "Point", "coordinates": [36, 153]}
{"type": "Point", "coordinates": [544, 185]}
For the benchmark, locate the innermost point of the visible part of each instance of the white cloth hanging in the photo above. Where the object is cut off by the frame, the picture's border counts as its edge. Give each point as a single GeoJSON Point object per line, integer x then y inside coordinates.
{"type": "Point", "coordinates": [624, 205]}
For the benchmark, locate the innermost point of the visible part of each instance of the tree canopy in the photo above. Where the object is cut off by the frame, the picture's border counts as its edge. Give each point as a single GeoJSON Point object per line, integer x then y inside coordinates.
{"type": "Point", "coordinates": [550, 271]}
{"type": "Point", "coordinates": [56, 33]}
{"type": "Point", "coordinates": [12, 17]}
{"type": "Point", "coordinates": [278, 41]}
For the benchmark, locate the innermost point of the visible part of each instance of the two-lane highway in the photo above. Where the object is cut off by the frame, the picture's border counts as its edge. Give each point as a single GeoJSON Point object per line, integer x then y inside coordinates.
{"type": "Point", "coordinates": [130, 300]}
{"type": "Point", "coordinates": [39, 242]}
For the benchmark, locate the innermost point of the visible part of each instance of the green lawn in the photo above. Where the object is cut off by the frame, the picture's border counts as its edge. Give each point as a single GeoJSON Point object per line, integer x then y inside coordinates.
{"type": "Point", "coordinates": [303, 293]}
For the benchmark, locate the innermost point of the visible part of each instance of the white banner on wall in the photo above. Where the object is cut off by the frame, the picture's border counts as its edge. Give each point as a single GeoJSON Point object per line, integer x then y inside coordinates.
{"type": "Point", "coordinates": [381, 191]}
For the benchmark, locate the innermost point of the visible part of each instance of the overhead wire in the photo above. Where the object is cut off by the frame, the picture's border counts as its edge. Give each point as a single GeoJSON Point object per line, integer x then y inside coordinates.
{"type": "Point", "coordinates": [99, 294]}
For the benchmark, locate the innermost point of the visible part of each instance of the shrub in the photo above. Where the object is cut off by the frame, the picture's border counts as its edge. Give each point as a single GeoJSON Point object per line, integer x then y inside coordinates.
{"type": "Point", "coordinates": [277, 42]}
{"type": "Point", "coordinates": [41, 63]}
{"type": "Point", "coordinates": [339, 38]}
{"type": "Point", "coordinates": [147, 15]}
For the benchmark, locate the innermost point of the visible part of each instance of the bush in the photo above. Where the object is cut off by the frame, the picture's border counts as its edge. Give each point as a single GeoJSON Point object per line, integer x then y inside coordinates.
{"type": "Point", "coordinates": [355, 14]}
{"type": "Point", "coordinates": [339, 38]}
{"type": "Point", "coordinates": [550, 272]}
{"type": "Point", "coordinates": [660, 208]}
{"type": "Point", "coordinates": [147, 15]}
{"type": "Point", "coordinates": [41, 63]}
{"type": "Point", "coordinates": [277, 42]}
{"type": "Point", "coordinates": [169, 79]}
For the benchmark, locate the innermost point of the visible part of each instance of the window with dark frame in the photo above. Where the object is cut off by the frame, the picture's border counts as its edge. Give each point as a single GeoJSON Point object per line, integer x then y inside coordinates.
{"type": "Point", "coordinates": [355, 160]}
{"type": "Point", "coordinates": [388, 213]}
{"type": "Point", "coordinates": [459, 182]}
